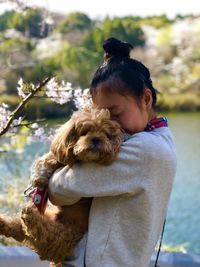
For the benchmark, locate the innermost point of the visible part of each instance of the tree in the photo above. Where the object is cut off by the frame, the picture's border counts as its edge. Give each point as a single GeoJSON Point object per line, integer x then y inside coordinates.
{"type": "Point", "coordinates": [77, 63]}
{"type": "Point", "coordinates": [75, 21]}
{"type": "Point", "coordinates": [156, 21]}
{"type": "Point", "coordinates": [122, 28]}
{"type": "Point", "coordinates": [29, 22]}
{"type": "Point", "coordinates": [5, 19]}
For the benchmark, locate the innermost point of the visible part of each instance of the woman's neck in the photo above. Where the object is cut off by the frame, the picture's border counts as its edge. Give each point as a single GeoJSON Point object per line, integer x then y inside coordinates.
{"type": "Point", "coordinates": [152, 115]}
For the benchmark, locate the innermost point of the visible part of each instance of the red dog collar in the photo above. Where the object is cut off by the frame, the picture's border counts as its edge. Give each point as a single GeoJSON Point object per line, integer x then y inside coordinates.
{"type": "Point", "coordinates": [39, 197]}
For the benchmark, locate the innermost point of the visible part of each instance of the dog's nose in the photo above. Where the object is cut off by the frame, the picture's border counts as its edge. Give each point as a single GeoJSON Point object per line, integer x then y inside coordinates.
{"type": "Point", "coordinates": [95, 141]}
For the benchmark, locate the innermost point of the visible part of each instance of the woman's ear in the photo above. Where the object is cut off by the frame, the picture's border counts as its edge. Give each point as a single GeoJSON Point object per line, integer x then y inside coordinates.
{"type": "Point", "coordinates": [63, 143]}
{"type": "Point", "coordinates": [148, 100]}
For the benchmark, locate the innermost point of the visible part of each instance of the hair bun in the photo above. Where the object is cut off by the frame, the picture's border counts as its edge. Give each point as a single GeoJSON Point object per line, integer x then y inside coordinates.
{"type": "Point", "coordinates": [116, 48]}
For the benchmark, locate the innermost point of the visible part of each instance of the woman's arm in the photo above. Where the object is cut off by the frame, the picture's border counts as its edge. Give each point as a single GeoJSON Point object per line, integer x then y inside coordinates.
{"type": "Point", "coordinates": [94, 180]}
{"type": "Point", "coordinates": [142, 160]}
{"type": "Point", "coordinates": [61, 200]}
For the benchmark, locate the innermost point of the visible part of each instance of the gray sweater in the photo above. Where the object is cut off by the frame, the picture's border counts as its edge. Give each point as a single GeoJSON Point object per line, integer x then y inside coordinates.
{"type": "Point", "coordinates": [130, 199]}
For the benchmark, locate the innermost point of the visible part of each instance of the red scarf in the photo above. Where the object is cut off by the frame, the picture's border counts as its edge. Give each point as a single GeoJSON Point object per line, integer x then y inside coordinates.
{"type": "Point", "coordinates": [156, 123]}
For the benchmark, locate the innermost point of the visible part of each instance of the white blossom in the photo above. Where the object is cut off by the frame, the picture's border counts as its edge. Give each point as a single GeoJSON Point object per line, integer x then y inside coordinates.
{"type": "Point", "coordinates": [63, 92]}
{"type": "Point", "coordinates": [4, 116]}
{"type": "Point", "coordinates": [17, 121]}
{"type": "Point", "coordinates": [82, 98]}
{"type": "Point", "coordinates": [59, 93]}
{"type": "Point", "coordinates": [78, 92]}
{"type": "Point", "coordinates": [39, 135]}
{"type": "Point", "coordinates": [20, 88]}
{"type": "Point", "coordinates": [4, 105]}
{"type": "Point", "coordinates": [35, 125]}
{"type": "Point", "coordinates": [39, 132]}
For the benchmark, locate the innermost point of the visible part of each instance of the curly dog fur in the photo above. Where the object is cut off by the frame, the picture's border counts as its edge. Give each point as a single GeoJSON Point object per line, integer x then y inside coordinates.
{"type": "Point", "coordinates": [89, 136]}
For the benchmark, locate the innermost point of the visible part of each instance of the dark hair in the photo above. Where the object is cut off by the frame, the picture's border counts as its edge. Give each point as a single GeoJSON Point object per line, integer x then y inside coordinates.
{"type": "Point", "coordinates": [118, 67]}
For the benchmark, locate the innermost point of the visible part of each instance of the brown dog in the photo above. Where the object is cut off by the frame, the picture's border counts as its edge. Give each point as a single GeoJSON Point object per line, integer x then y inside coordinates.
{"type": "Point", "coordinates": [89, 136]}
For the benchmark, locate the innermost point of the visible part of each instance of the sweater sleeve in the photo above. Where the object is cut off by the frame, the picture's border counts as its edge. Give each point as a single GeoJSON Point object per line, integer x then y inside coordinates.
{"type": "Point", "coordinates": [94, 180]}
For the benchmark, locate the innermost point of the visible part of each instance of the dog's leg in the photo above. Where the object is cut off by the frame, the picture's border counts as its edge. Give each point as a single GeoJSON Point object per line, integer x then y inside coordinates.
{"type": "Point", "coordinates": [11, 227]}
{"type": "Point", "coordinates": [33, 223]}
{"type": "Point", "coordinates": [53, 240]}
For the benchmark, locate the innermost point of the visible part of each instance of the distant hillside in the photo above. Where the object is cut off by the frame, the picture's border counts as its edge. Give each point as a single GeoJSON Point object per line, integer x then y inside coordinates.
{"type": "Point", "coordinates": [36, 43]}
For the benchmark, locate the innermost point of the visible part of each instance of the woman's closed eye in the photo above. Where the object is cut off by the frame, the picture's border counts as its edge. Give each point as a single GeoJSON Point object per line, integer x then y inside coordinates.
{"type": "Point", "coordinates": [116, 115]}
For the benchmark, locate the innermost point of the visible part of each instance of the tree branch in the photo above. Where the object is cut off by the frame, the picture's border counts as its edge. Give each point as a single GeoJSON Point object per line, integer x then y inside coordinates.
{"type": "Point", "coordinates": [15, 113]}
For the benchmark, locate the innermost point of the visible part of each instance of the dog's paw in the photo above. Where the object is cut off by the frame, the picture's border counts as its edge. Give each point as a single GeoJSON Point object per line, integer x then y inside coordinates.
{"type": "Point", "coordinates": [27, 214]}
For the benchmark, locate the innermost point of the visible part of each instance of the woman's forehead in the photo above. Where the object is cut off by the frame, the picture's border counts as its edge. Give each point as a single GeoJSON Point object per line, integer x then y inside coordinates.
{"type": "Point", "coordinates": [112, 100]}
{"type": "Point", "coordinates": [106, 99]}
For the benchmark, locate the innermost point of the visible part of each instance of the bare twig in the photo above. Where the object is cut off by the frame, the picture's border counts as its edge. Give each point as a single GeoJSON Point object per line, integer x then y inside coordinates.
{"type": "Point", "coordinates": [29, 123]}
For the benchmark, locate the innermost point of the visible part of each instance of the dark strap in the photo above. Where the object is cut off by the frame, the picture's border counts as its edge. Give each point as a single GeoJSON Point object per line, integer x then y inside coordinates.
{"type": "Point", "coordinates": [160, 244]}
{"type": "Point", "coordinates": [153, 124]}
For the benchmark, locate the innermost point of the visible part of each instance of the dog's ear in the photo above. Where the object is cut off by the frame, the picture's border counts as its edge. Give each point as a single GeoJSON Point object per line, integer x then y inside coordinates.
{"type": "Point", "coordinates": [63, 143]}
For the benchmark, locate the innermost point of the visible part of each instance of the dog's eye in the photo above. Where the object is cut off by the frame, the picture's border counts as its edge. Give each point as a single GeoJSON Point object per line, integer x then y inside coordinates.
{"type": "Point", "coordinates": [109, 136]}
{"type": "Point", "coordinates": [84, 132]}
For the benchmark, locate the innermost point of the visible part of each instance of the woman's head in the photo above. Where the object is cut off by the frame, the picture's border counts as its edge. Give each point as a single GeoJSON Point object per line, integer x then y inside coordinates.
{"type": "Point", "coordinates": [119, 69]}
{"type": "Point", "coordinates": [123, 84]}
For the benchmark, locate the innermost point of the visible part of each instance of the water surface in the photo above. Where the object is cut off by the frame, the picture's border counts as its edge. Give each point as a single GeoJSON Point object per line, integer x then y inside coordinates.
{"type": "Point", "coordinates": [183, 220]}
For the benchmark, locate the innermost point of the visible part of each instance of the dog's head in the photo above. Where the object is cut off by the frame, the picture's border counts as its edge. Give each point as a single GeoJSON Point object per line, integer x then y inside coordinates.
{"type": "Point", "coordinates": [89, 136]}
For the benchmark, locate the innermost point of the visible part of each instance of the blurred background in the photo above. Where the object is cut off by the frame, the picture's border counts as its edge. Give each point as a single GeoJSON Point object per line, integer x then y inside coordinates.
{"type": "Point", "coordinates": [43, 38]}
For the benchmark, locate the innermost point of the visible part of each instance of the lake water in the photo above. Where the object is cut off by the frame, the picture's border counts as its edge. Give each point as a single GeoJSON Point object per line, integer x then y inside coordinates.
{"type": "Point", "coordinates": [183, 218]}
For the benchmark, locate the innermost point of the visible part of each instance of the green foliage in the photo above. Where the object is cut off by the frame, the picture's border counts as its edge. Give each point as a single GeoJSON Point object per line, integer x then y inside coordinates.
{"type": "Point", "coordinates": [165, 82]}
{"type": "Point", "coordinates": [74, 64]}
{"type": "Point", "coordinates": [44, 68]}
{"type": "Point", "coordinates": [79, 60]}
{"type": "Point", "coordinates": [94, 39]}
{"type": "Point", "coordinates": [165, 35]}
{"type": "Point", "coordinates": [5, 19]}
{"type": "Point", "coordinates": [75, 21]}
{"type": "Point", "coordinates": [156, 21]}
{"type": "Point", "coordinates": [11, 78]}
{"type": "Point", "coordinates": [11, 100]}
{"type": "Point", "coordinates": [123, 28]}
{"type": "Point", "coordinates": [28, 22]}
{"type": "Point", "coordinates": [196, 69]}
{"type": "Point", "coordinates": [17, 22]}
{"type": "Point", "coordinates": [8, 45]}
{"type": "Point", "coordinates": [179, 102]}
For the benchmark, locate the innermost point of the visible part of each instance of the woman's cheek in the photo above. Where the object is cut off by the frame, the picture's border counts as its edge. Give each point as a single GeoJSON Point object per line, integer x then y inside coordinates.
{"type": "Point", "coordinates": [124, 123]}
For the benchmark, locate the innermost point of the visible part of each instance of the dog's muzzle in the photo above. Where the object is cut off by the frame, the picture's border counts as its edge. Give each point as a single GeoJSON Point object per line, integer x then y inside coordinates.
{"type": "Point", "coordinates": [95, 143]}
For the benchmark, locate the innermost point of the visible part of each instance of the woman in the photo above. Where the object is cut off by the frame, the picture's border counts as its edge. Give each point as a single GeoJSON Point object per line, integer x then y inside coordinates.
{"type": "Point", "coordinates": [130, 197]}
